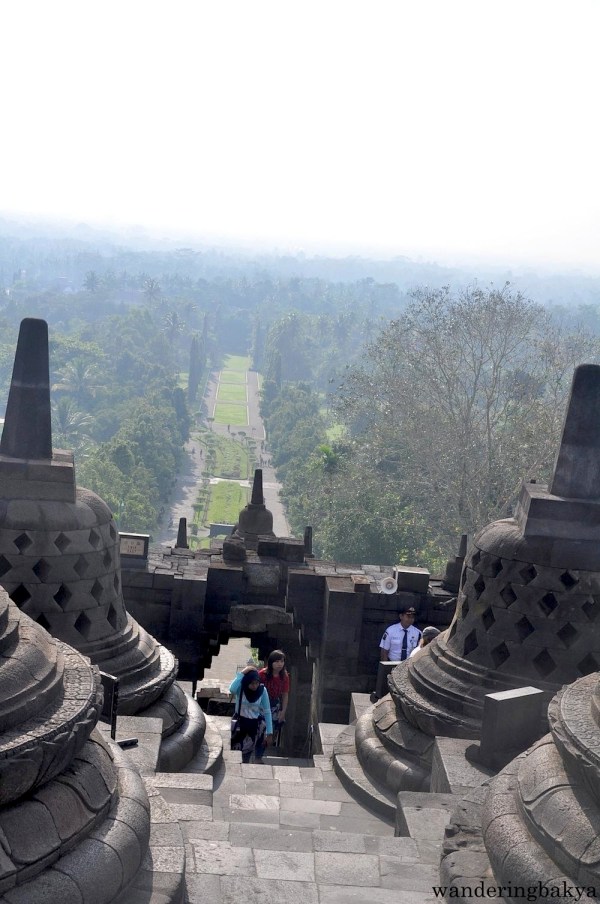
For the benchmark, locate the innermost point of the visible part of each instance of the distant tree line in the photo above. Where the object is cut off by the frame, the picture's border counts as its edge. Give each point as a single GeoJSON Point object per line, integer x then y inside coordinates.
{"type": "Point", "coordinates": [444, 413]}
{"type": "Point", "coordinates": [397, 419]}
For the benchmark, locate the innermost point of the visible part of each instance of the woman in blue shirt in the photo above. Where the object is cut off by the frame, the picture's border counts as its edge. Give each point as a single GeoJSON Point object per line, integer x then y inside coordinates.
{"type": "Point", "coordinates": [254, 722]}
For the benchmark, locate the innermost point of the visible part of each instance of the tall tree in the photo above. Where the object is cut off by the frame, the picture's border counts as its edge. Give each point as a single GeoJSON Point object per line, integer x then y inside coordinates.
{"type": "Point", "coordinates": [458, 401]}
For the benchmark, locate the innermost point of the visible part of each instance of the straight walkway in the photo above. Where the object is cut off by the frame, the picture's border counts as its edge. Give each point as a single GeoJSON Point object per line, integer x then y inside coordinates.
{"type": "Point", "coordinates": [190, 477]}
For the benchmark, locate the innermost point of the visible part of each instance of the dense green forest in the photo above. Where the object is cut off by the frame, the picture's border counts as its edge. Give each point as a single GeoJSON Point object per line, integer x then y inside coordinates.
{"type": "Point", "coordinates": [133, 335]}
{"type": "Point", "coordinates": [438, 418]}
{"type": "Point", "coordinates": [398, 416]}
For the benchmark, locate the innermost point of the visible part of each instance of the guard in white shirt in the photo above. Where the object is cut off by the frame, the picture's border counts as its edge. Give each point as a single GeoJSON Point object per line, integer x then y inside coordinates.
{"type": "Point", "coordinates": [400, 639]}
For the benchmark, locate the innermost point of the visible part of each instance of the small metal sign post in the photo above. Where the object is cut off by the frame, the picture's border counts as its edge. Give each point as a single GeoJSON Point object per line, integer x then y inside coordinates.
{"type": "Point", "coordinates": [110, 686]}
{"type": "Point", "coordinates": [108, 714]}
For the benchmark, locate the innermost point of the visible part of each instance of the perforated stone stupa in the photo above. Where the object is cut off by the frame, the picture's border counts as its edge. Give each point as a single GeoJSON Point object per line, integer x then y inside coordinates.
{"type": "Point", "coordinates": [527, 610]}
{"type": "Point", "coordinates": [59, 558]}
{"type": "Point", "coordinates": [255, 519]}
{"type": "Point", "coordinates": [537, 826]}
{"type": "Point", "coordinates": [74, 813]}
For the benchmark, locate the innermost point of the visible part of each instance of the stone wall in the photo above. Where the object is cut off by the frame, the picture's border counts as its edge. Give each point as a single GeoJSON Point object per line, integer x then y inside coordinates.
{"type": "Point", "coordinates": [326, 617]}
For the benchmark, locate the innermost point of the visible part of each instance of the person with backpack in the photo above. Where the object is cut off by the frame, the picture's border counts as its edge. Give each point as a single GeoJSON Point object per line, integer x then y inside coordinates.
{"type": "Point", "coordinates": [252, 725]}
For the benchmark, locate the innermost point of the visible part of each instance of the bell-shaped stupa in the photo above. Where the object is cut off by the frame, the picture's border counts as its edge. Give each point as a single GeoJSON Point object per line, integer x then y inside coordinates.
{"type": "Point", "coordinates": [74, 813]}
{"type": "Point", "coordinates": [527, 611]}
{"type": "Point", "coordinates": [255, 519]}
{"type": "Point", "coordinates": [537, 825]}
{"type": "Point", "coordinates": [59, 556]}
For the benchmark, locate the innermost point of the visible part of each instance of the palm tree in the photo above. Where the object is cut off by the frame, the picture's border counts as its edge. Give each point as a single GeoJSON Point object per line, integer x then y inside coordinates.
{"type": "Point", "coordinates": [69, 426]}
{"type": "Point", "coordinates": [78, 378]}
{"type": "Point", "coordinates": [173, 325]}
{"type": "Point", "coordinates": [152, 289]}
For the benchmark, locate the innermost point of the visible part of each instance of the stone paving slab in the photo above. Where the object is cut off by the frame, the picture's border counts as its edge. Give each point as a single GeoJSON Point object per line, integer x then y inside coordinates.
{"type": "Point", "coordinates": [185, 812]}
{"type": "Point", "coordinates": [365, 825]}
{"type": "Point", "coordinates": [407, 876]}
{"type": "Point", "coordinates": [343, 842]}
{"type": "Point", "coordinates": [306, 820]}
{"type": "Point", "coordinates": [308, 805]}
{"type": "Point", "coordinates": [254, 801]}
{"type": "Point", "coordinates": [270, 838]}
{"type": "Point", "coordinates": [233, 784]}
{"type": "Point", "coordinates": [251, 770]}
{"type": "Point", "coordinates": [334, 868]}
{"type": "Point", "coordinates": [186, 796]}
{"type": "Point", "coordinates": [197, 830]}
{"type": "Point", "coordinates": [287, 773]}
{"type": "Point", "coordinates": [332, 792]}
{"type": "Point", "coordinates": [297, 789]}
{"type": "Point", "coordinates": [293, 866]}
{"type": "Point", "coordinates": [235, 890]}
{"type": "Point", "coordinates": [223, 859]}
{"type": "Point", "coordinates": [404, 849]}
{"type": "Point", "coordinates": [181, 780]}
{"type": "Point", "coordinates": [230, 814]}
{"type": "Point", "coordinates": [260, 786]}
{"type": "Point", "coordinates": [201, 889]}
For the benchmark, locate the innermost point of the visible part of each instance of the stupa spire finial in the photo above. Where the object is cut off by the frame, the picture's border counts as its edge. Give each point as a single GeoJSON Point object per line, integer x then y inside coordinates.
{"type": "Point", "coordinates": [577, 468]}
{"type": "Point", "coordinates": [27, 430]}
{"type": "Point", "coordinates": [257, 488]}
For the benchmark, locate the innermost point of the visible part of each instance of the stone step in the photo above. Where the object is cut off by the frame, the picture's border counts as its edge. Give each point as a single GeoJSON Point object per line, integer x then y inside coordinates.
{"type": "Point", "coordinates": [274, 760]}
{"type": "Point", "coordinates": [351, 774]}
{"type": "Point", "coordinates": [423, 816]}
{"type": "Point", "coordinates": [327, 732]}
{"type": "Point", "coordinates": [285, 834]}
{"type": "Point", "coordinates": [302, 796]}
{"type": "Point", "coordinates": [209, 758]}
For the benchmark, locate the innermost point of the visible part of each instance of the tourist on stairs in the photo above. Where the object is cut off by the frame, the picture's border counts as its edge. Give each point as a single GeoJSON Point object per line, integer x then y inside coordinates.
{"type": "Point", "coordinates": [277, 682]}
{"type": "Point", "coordinates": [253, 729]}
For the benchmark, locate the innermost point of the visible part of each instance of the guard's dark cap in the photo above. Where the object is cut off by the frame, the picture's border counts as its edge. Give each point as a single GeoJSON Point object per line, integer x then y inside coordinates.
{"type": "Point", "coordinates": [407, 610]}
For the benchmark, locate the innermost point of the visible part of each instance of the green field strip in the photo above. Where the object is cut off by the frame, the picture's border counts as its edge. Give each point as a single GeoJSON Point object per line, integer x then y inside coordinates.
{"type": "Point", "coordinates": [236, 362]}
{"type": "Point", "coordinates": [227, 499]}
{"type": "Point", "coordinates": [233, 376]}
{"type": "Point", "coordinates": [231, 393]}
{"type": "Point", "coordinates": [230, 413]}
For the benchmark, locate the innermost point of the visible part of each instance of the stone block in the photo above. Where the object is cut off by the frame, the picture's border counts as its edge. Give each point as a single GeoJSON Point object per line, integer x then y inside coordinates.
{"type": "Point", "coordinates": [326, 735]}
{"type": "Point", "coordinates": [414, 580]}
{"type": "Point", "coordinates": [261, 578]}
{"type": "Point", "coordinates": [163, 580]}
{"type": "Point", "coordinates": [511, 723]}
{"type": "Point", "coordinates": [409, 804]}
{"type": "Point", "coordinates": [451, 771]}
{"type": "Point", "coordinates": [359, 703]}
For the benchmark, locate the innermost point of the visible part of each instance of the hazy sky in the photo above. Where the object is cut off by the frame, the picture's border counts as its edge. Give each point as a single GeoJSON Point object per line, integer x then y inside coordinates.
{"type": "Point", "coordinates": [410, 126]}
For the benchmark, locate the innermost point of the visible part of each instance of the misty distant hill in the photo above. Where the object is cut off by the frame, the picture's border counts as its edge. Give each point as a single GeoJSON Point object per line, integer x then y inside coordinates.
{"type": "Point", "coordinates": [46, 252]}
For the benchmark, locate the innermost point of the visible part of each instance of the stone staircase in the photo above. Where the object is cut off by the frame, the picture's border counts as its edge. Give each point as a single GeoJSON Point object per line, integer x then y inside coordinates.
{"type": "Point", "coordinates": [288, 832]}
{"type": "Point", "coordinates": [284, 832]}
